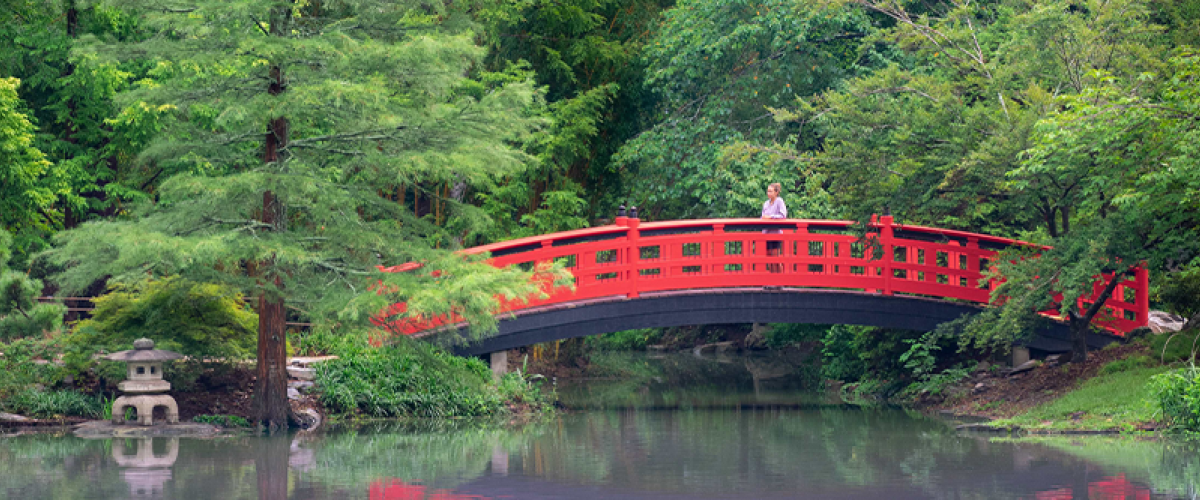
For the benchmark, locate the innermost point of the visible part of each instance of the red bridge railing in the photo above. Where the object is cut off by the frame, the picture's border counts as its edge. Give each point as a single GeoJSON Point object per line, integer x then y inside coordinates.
{"type": "Point", "coordinates": [629, 258]}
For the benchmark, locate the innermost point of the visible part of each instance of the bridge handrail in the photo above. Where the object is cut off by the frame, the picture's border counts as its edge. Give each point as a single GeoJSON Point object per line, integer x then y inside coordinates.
{"type": "Point", "coordinates": [629, 258]}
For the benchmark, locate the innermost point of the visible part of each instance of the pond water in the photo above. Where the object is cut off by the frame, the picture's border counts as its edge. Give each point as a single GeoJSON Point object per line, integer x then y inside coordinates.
{"type": "Point", "coordinates": [680, 429]}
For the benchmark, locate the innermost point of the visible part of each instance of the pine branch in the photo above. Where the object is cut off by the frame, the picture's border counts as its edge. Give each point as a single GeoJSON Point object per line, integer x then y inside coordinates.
{"type": "Point", "coordinates": [362, 135]}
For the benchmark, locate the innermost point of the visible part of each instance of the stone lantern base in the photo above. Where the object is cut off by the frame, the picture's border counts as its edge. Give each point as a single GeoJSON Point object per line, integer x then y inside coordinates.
{"type": "Point", "coordinates": [145, 405]}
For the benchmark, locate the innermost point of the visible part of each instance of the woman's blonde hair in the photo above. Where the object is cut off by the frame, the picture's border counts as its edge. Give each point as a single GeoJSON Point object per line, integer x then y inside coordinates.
{"type": "Point", "coordinates": [778, 188]}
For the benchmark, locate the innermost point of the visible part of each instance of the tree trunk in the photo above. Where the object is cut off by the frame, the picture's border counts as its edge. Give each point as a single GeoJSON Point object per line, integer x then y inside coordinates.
{"type": "Point", "coordinates": [271, 407]}
{"type": "Point", "coordinates": [1081, 325]}
{"type": "Point", "coordinates": [1080, 328]}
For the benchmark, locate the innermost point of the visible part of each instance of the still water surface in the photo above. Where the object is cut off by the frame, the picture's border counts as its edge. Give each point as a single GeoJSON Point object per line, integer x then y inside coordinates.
{"type": "Point", "coordinates": [672, 434]}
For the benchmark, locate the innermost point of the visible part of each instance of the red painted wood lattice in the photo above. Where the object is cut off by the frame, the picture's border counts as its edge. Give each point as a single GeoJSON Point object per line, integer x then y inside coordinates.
{"type": "Point", "coordinates": [629, 258]}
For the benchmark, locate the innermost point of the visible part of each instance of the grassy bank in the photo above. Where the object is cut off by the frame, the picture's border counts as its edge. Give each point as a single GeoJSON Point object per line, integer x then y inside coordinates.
{"type": "Point", "coordinates": [1137, 387]}
{"type": "Point", "coordinates": [1110, 401]}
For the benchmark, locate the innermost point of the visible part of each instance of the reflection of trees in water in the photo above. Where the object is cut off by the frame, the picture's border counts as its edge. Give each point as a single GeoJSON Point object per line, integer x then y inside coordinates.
{"type": "Point", "coordinates": [687, 381]}
{"type": "Point", "coordinates": [435, 453]}
{"type": "Point", "coordinates": [828, 452]}
{"type": "Point", "coordinates": [51, 466]}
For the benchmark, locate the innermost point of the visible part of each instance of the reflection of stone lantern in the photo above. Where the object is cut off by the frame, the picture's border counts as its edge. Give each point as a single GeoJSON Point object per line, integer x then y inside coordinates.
{"type": "Point", "coordinates": [144, 386]}
{"type": "Point", "coordinates": [145, 472]}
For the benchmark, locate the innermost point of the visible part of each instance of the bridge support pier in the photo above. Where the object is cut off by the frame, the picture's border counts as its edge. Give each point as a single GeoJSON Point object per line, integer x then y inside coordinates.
{"type": "Point", "coordinates": [1020, 355]}
{"type": "Point", "coordinates": [499, 362]}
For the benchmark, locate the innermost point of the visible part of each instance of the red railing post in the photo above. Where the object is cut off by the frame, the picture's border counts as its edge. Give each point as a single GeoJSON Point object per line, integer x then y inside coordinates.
{"type": "Point", "coordinates": [973, 263]}
{"type": "Point", "coordinates": [633, 255]}
{"type": "Point", "coordinates": [886, 237]}
{"type": "Point", "coordinates": [715, 253]}
{"type": "Point", "coordinates": [1142, 275]}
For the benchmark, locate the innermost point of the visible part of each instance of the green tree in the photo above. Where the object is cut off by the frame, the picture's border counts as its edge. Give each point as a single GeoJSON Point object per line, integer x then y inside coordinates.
{"type": "Point", "coordinates": [26, 195]}
{"type": "Point", "coordinates": [1129, 146]}
{"type": "Point", "coordinates": [988, 121]}
{"type": "Point", "coordinates": [293, 125]}
{"type": "Point", "coordinates": [586, 55]}
{"type": "Point", "coordinates": [20, 313]}
{"type": "Point", "coordinates": [70, 98]}
{"type": "Point", "coordinates": [718, 67]}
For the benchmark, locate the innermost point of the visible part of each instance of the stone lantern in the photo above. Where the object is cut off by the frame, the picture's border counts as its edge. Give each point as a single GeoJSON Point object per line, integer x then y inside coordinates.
{"type": "Point", "coordinates": [144, 386]}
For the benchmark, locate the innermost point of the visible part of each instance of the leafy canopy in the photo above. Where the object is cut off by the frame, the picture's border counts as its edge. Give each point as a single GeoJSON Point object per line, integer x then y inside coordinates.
{"type": "Point", "coordinates": [365, 99]}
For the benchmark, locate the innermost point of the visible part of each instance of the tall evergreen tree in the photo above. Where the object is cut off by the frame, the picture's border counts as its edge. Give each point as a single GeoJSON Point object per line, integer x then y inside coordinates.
{"type": "Point", "coordinates": [297, 129]}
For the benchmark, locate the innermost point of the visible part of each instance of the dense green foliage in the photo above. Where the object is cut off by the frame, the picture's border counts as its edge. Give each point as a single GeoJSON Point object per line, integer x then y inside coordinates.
{"type": "Point", "coordinates": [21, 315]}
{"type": "Point", "coordinates": [27, 363]}
{"type": "Point", "coordinates": [54, 404]}
{"type": "Point", "coordinates": [23, 192]}
{"type": "Point", "coordinates": [413, 379]}
{"type": "Point", "coordinates": [1173, 347]}
{"type": "Point", "coordinates": [194, 319]}
{"type": "Point", "coordinates": [586, 54]}
{"type": "Point", "coordinates": [1070, 125]}
{"type": "Point", "coordinates": [626, 340]}
{"type": "Point", "coordinates": [718, 68]}
{"type": "Point", "coordinates": [69, 98]}
{"type": "Point", "coordinates": [1178, 396]}
{"type": "Point", "coordinates": [222, 420]}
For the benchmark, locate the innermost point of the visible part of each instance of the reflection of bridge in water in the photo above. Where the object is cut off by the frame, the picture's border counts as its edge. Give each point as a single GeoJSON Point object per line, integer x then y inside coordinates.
{"type": "Point", "coordinates": [719, 271]}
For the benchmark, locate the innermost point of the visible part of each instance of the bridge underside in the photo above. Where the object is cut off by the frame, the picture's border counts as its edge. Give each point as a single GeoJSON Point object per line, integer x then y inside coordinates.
{"type": "Point", "coordinates": [742, 305]}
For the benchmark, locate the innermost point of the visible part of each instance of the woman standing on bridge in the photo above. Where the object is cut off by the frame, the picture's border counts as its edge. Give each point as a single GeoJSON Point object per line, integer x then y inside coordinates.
{"type": "Point", "coordinates": [774, 208]}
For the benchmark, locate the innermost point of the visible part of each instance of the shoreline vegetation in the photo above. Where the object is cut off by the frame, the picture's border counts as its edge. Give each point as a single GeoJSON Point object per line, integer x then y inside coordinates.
{"type": "Point", "coordinates": [1118, 390]}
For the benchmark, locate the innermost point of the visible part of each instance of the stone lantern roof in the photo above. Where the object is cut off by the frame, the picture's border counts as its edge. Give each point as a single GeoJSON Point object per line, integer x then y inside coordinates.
{"type": "Point", "coordinates": [143, 351]}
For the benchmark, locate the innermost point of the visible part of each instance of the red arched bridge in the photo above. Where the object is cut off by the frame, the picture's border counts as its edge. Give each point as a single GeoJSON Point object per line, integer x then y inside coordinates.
{"type": "Point", "coordinates": [720, 271]}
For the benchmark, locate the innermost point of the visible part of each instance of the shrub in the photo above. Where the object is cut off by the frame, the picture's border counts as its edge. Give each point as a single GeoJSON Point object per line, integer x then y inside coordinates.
{"type": "Point", "coordinates": [937, 382]}
{"type": "Point", "coordinates": [222, 420]}
{"type": "Point", "coordinates": [1178, 396]}
{"type": "Point", "coordinates": [20, 313]}
{"type": "Point", "coordinates": [840, 355]}
{"type": "Point", "coordinates": [195, 319]}
{"type": "Point", "coordinates": [20, 367]}
{"type": "Point", "coordinates": [851, 352]}
{"type": "Point", "coordinates": [407, 379]}
{"type": "Point", "coordinates": [53, 404]}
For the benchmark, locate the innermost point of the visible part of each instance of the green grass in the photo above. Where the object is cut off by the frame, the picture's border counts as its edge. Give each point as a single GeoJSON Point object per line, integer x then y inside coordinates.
{"type": "Point", "coordinates": [54, 404]}
{"type": "Point", "coordinates": [1116, 400]}
{"type": "Point", "coordinates": [1171, 347]}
